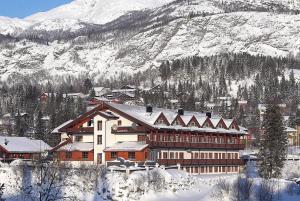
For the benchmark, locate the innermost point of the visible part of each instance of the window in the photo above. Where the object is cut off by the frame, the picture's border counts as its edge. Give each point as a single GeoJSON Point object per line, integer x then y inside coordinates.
{"type": "Point", "coordinates": [99, 139]}
{"type": "Point", "coordinates": [172, 155]}
{"type": "Point", "coordinates": [216, 169]}
{"type": "Point", "coordinates": [165, 155]}
{"type": "Point", "coordinates": [180, 155]}
{"type": "Point", "coordinates": [68, 155]}
{"type": "Point", "coordinates": [216, 155]}
{"type": "Point", "coordinates": [78, 138]}
{"type": "Point", "coordinates": [131, 155]}
{"type": "Point", "coordinates": [176, 155]}
{"type": "Point", "coordinates": [85, 155]}
{"type": "Point", "coordinates": [141, 138]}
{"type": "Point", "coordinates": [223, 169]}
{"type": "Point", "coordinates": [202, 169]}
{"type": "Point", "coordinates": [113, 155]}
{"type": "Point", "coordinates": [192, 124]}
{"type": "Point", "coordinates": [119, 123]}
{"type": "Point", "coordinates": [210, 155]}
{"type": "Point", "coordinates": [99, 125]}
{"type": "Point", "coordinates": [90, 123]}
{"type": "Point", "coordinates": [196, 155]}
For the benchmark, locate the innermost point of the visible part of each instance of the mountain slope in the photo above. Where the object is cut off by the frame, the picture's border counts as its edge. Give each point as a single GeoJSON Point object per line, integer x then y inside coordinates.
{"type": "Point", "coordinates": [140, 40]}
{"type": "Point", "coordinates": [96, 11]}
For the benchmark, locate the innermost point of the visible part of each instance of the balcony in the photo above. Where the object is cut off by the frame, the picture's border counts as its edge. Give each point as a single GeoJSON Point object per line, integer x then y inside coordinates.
{"type": "Point", "coordinates": [187, 145]}
{"type": "Point", "coordinates": [81, 130]}
{"type": "Point", "coordinates": [169, 162]}
{"type": "Point", "coordinates": [128, 129]}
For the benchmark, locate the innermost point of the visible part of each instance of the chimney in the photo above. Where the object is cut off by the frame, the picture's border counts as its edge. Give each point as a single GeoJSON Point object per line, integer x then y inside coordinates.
{"type": "Point", "coordinates": [149, 109]}
{"type": "Point", "coordinates": [208, 114]}
{"type": "Point", "coordinates": [180, 111]}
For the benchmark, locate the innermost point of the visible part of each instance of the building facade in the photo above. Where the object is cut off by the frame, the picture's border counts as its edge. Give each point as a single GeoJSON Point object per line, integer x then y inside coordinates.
{"type": "Point", "coordinates": [199, 142]}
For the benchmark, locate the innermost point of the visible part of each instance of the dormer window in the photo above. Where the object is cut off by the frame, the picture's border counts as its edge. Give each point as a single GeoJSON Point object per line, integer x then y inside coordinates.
{"type": "Point", "coordinates": [206, 125]}
{"type": "Point", "coordinates": [160, 121]}
{"type": "Point", "coordinates": [176, 122]}
{"type": "Point", "coordinates": [192, 124]}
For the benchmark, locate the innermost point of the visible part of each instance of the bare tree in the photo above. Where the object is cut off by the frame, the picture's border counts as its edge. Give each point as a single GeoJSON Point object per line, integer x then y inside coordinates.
{"type": "Point", "coordinates": [221, 189]}
{"type": "Point", "coordinates": [53, 179]}
{"type": "Point", "coordinates": [241, 189]}
{"type": "Point", "coordinates": [266, 191]}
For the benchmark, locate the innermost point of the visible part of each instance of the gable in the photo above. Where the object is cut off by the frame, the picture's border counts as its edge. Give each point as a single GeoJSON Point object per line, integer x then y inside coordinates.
{"type": "Point", "coordinates": [193, 122]}
{"type": "Point", "coordinates": [207, 123]}
{"type": "Point", "coordinates": [161, 120]}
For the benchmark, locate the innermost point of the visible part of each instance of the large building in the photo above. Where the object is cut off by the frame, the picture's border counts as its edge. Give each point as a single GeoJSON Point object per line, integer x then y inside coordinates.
{"type": "Point", "coordinates": [199, 142]}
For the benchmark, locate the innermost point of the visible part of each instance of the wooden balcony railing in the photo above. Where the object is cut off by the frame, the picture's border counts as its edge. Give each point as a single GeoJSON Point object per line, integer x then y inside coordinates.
{"type": "Point", "coordinates": [169, 162]}
{"type": "Point", "coordinates": [128, 129]}
{"type": "Point", "coordinates": [154, 144]}
{"type": "Point", "coordinates": [81, 130]}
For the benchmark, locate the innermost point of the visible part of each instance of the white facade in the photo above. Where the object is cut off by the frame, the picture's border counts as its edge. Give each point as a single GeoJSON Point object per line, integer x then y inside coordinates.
{"type": "Point", "coordinates": [108, 138]}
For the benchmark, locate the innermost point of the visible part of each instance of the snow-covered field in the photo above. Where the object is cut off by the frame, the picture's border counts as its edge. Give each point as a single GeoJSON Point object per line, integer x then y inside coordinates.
{"type": "Point", "coordinates": [89, 184]}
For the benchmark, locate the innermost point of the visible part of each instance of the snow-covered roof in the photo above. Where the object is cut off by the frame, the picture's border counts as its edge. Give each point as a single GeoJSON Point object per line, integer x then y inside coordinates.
{"type": "Point", "coordinates": [215, 121]}
{"type": "Point", "coordinates": [98, 88]}
{"type": "Point", "coordinates": [139, 113]}
{"type": "Point", "coordinates": [56, 130]}
{"type": "Point", "coordinates": [289, 129]}
{"type": "Point", "coordinates": [77, 146]}
{"type": "Point", "coordinates": [127, 146]}
{"type": "Point", "coordinates": [23, 145]}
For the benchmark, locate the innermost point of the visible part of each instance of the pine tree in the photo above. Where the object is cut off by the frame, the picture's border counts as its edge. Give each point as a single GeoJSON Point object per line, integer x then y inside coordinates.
{"type": "Point", "coordinates": [40, 129]}
{"type": "Point", "coordinates": [273, 144]}
{"type": "Point", "coordinates": [92, 93]}
{"type": "Point", "coordinates": [18, 125]}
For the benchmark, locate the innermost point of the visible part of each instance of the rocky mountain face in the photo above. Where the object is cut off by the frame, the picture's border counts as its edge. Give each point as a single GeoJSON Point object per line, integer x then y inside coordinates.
{"type": "Point", "coordinates": [86, 38]}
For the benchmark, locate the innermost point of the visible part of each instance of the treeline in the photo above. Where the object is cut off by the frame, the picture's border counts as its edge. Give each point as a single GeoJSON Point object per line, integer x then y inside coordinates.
{"type": "Point", "coordinates": [24, 113]}
{"type": "Point", "coordinates": [240, 76]}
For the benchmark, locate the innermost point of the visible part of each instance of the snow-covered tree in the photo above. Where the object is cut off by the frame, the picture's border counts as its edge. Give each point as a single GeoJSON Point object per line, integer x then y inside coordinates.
{"type": "Point", "coordinates": [273, 144]}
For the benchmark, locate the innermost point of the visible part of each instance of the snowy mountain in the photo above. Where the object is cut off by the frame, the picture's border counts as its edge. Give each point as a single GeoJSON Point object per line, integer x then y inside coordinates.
{"type": "Point", "coordinates": [96, 11]}
{"type": "Point", "coordinates": [104, 38]}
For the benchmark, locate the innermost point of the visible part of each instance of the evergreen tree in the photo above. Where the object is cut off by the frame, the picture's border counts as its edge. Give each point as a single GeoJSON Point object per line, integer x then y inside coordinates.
{"type": "Point", "coordinates": [92, 93]}
{"type": "Point", "coordinates": [40, 128]}
{"type": "Point", "coordinates": [18, 125]}
{"type": "Point", "coordinates": [273, 144]}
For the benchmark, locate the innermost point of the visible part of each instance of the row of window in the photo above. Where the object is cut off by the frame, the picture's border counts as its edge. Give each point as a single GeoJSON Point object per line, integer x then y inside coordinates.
{"type": "Point", "coordinates": [114, 155]}
{"type": "Point", "coordinates": [180, 155]}
{"type": "Point", "coordinates": [212, 169]}
{"type": "Point", "coordinates": [79, 138]}
{"type": "Point", "coordinates": [192, 139]}
{"type": "Point", "coordinates": [84, 155]}
{"type": "Point", "coordinates": [99, 125]}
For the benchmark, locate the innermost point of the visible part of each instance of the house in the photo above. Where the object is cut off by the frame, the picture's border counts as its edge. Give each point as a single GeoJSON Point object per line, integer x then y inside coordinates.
{"type": "Point", "coordinates": [44, 96]}
{"type": "Point", "coordinates": [199, 142]}
{"type": "Point", "coordinates": [100, 91]}
{"type": "Point", "coordinates": [21, 147]}
{"type": "Point", "coordinates": [293, 136]}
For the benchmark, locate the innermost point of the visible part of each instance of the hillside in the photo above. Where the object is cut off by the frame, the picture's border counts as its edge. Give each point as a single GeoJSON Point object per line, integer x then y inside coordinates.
{"type": "Point", "coordinates": [128, 42]}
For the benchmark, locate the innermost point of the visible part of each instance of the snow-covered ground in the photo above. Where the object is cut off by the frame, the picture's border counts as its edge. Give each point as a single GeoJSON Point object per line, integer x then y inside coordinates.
{"type": "Point", "coordinates": [155, 185]}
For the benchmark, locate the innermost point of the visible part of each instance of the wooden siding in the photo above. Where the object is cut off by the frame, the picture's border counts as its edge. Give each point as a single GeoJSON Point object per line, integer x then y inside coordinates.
{"type": "Point", "coordinates": [76, 156]}
{"type": "Point", "coordinates": [139, 155]}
